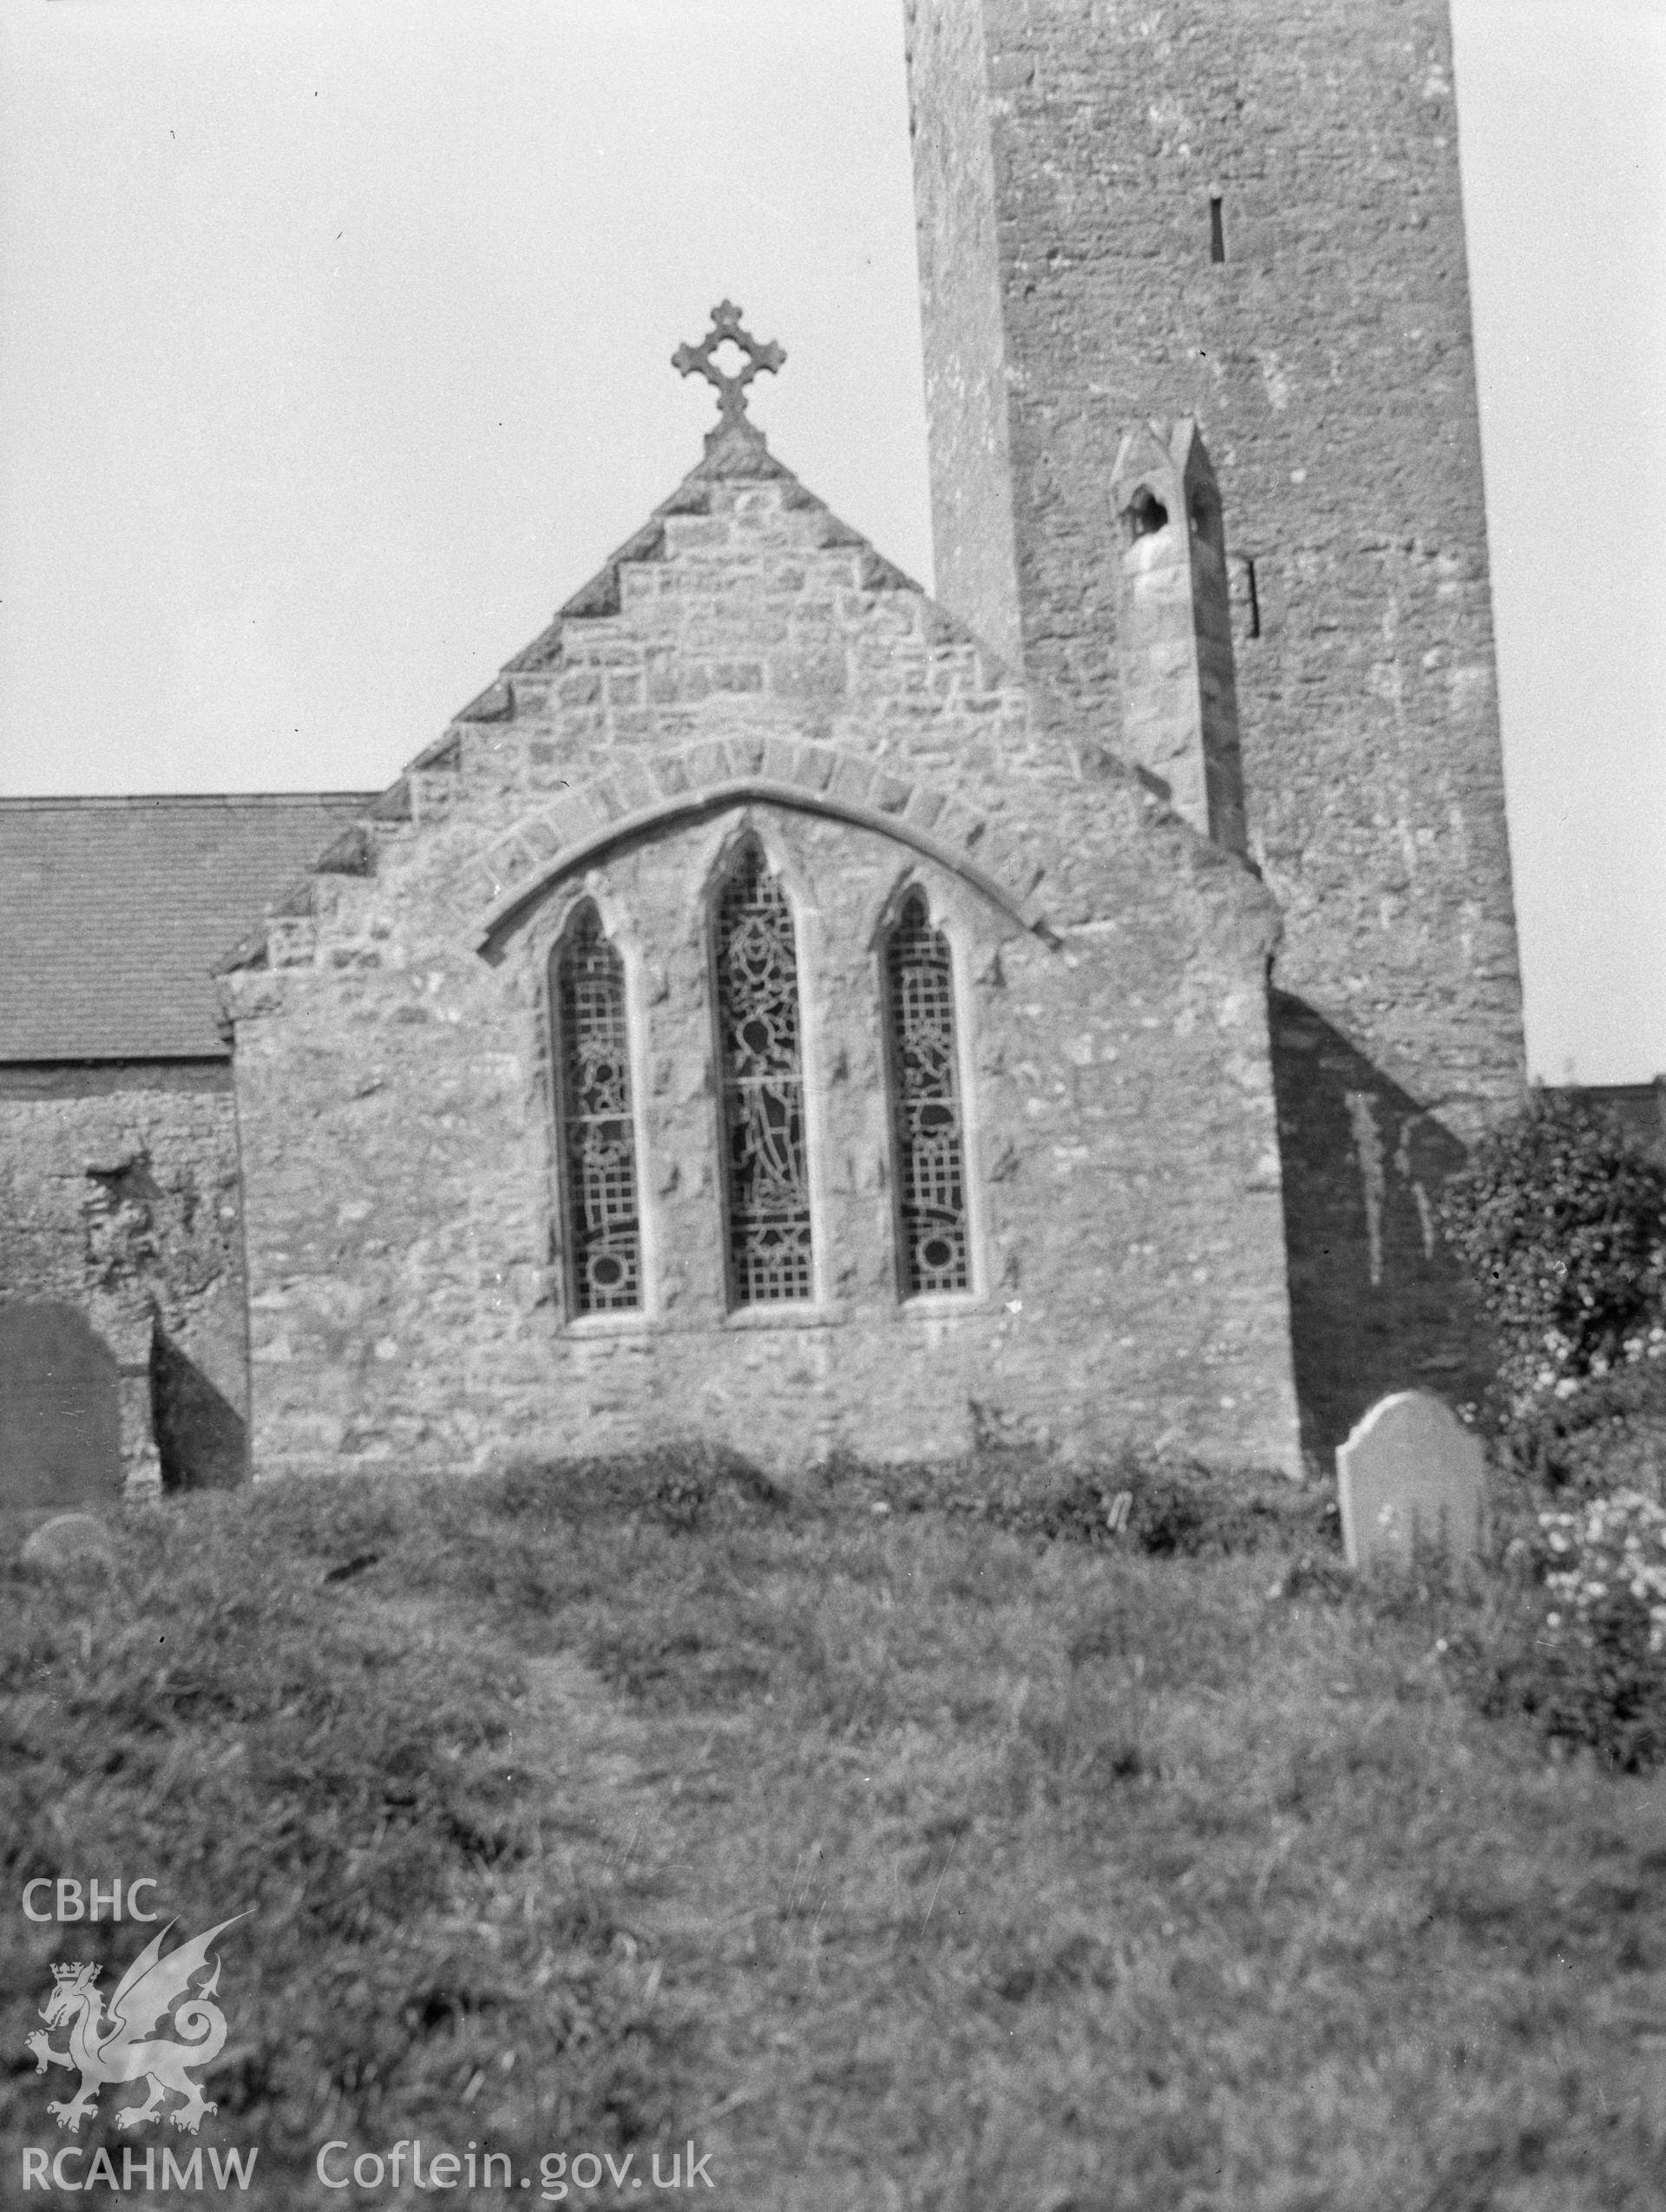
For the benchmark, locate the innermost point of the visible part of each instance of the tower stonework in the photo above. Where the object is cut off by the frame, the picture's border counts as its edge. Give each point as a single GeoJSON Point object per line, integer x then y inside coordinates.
{"type": "Point", "coordinates": [1251, 215]}
{"type": "Point", "coordinates": [1179, 696]}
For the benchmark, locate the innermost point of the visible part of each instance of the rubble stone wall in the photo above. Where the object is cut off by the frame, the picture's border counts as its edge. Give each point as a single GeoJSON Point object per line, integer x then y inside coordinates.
{"type": "Point", "coordinates": [119, 1197]}
{"type": "Point", "coordinates": [407, 1282]}
{"type": "Point", "coordinates": [1328, 360]}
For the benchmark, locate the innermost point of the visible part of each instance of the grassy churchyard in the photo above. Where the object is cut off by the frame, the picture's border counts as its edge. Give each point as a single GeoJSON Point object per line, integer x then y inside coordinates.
{"type": "Point", "coordinates": [890, 1853]}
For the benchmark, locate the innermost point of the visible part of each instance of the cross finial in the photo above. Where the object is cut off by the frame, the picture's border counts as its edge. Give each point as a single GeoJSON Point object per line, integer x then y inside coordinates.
{"type": "Point", "coordinates": [730, 390]}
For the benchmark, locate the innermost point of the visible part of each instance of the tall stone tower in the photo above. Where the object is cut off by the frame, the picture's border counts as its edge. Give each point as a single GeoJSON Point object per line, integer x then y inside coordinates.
{"type": "Point", "coordinates": [1132, 210]}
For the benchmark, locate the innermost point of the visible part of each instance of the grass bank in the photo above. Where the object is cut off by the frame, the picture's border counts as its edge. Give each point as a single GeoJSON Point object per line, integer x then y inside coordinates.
{"type": "Point", "coordinates": [917, 1858]}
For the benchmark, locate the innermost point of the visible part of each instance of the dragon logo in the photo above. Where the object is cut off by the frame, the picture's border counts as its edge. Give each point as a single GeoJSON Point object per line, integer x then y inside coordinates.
{"type": "Point", "coordinates": [120, 2045]}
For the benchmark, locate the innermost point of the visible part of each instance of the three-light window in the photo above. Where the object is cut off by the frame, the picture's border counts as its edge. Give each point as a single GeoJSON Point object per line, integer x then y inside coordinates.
{"type": "Point", "coordinates": [768, 1221]}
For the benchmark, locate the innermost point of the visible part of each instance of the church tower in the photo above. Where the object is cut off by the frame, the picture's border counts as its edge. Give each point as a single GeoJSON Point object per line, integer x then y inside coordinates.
{"type": "Point", "coordinates": [1133, 211]}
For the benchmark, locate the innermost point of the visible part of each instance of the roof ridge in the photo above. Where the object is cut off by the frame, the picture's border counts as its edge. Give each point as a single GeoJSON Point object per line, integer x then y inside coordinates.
{"type": "Point", "coordinates": [141, 799]}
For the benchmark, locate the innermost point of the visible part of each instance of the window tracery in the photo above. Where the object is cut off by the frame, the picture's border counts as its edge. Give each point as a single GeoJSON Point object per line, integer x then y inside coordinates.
{"type": "Point", "coordinates": [926, 1122]}
{"type": "Point", "coordinates": [604, 1237]}
{"type": "Point", "coordinates": [766, 1166]}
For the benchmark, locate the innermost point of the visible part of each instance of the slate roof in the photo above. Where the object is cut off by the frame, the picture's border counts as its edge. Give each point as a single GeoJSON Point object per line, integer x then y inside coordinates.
{"type": "Point", "coordinates": [112, 911]}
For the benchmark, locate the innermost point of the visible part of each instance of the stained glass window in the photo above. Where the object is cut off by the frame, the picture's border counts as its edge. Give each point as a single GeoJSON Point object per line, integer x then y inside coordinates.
{"type": "Point", "coordinates": [767, 1171]}
{"type": "Point", "coordinates": [597, 1134]}
{"type": "Point", "coordinates": [926, 1106]}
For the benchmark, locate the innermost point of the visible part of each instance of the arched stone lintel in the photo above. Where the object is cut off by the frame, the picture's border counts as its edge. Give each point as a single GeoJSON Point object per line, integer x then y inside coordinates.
{"type": "Point", "coordinates": [508, 912]}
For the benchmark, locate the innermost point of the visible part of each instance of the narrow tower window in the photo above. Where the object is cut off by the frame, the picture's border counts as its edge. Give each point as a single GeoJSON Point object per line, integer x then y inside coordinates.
{"type": "Point", "coordinates": [766, 1167]}
{"type": "Point", "coordinates": [1216, 228]}
{"type": "Point", "coordinates": [604, 1242]}
{"type": "Point", "coordinates": [926, 1106]}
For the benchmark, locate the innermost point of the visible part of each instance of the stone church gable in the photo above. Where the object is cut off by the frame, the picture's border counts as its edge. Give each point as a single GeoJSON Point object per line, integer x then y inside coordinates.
{"type": "Point", "coordinates": [747, 686]}
{"type": "Point", "coordinates": [745, 643]}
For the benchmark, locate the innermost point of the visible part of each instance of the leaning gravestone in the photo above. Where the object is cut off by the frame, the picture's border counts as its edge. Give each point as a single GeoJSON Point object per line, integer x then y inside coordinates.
{"type": "Point", "coordinates": [1410, 1476]}
{"type": "Point", "coordinates": [60, 1418]}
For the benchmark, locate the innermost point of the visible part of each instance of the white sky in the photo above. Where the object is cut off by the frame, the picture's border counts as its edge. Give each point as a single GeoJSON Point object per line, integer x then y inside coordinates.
{"type": "Point", "coordinates": [334, 342]}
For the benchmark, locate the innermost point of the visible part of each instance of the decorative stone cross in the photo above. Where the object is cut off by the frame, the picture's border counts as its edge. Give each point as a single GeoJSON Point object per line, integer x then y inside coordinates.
{"type": "Point", "coordinates": [726, 329]}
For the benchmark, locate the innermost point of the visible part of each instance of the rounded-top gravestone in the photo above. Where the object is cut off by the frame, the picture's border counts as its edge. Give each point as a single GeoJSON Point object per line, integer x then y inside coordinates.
{"type": "Point", "coordinates": [1411, 1476]}
{"type": "Point", "coordinates": [60, 1415]}
{"type": "Point", "coordinates": [70, 1544]}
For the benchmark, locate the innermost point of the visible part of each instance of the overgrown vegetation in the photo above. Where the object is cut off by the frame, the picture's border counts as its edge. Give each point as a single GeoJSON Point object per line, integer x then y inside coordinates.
{"type": "Point", "coordinates": [922, 1856]}
{"type": "Point", "coordinates": [1608, 1433]}
{"type": "Point", "coordinates": [1603, 1569]}
{"type": "Point", "coordinates": [1163, 1504]}
{"type": "Point", "coordinates": [255, 1717]}
{"type": "Point", "coordinates": [1561, 1224]}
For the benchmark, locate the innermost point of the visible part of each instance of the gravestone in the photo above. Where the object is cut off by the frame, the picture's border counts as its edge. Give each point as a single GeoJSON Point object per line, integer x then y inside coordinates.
{"type": "Point", "coordinates": [70, 1544]}
{"type": "Point", "coordinates": [1410, 1475]}
{"type": "Point", "coordinates": [60, 1417]}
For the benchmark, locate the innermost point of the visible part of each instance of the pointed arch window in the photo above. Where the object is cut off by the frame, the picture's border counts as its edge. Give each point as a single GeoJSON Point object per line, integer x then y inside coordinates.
{"type": "Point", "coordinates": [927, 1131]}
{"type": "Point", "coordinates": [604, 1234]}
{"type": "Point", "coordinates": [766, 1168]}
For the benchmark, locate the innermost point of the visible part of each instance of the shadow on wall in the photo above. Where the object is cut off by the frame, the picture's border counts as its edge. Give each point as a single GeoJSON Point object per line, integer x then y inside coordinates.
{"type": "Point", "coordinates": [1377, 1300]}
{"type": "Point", "coordinates": [202, 1439]}
{"type": "Point", "coordinates": [60, 1412]}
